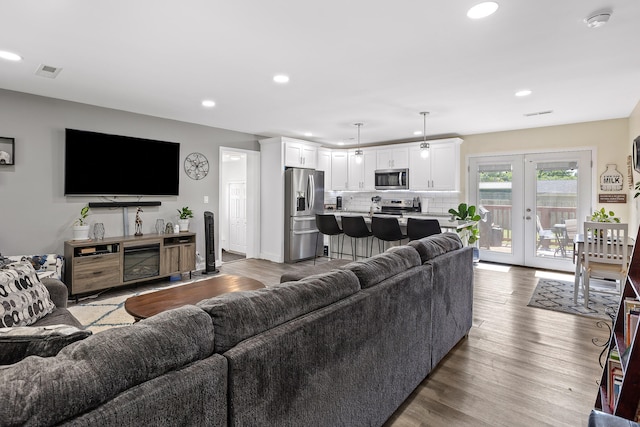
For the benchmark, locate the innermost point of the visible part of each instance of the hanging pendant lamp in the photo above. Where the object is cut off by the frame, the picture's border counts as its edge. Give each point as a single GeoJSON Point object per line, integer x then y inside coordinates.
{"type": "Point", "coordinates": [359, 153]}
{"type": "Point", "coordinates": [424, 145]}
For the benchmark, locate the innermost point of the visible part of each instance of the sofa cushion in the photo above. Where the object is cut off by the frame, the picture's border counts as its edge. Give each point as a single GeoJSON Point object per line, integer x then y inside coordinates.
{"type": "Point", "coordinates": [44, 341]}
{"type": "Point", "coordinates": [88, 373]}
{"type": "Point", "coordinates": [301, 273]}
{"type": "Point", "coordinates": [240, 315]}
{"type": "Point", "coordinates": [374, 270]}
{"type": "Point", "coordinates": [23, 298]}
{"type": "Point", "coordinates": [436, 245]}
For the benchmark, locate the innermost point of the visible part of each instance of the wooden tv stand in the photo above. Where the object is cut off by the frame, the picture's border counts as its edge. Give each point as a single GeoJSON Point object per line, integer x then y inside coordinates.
{"type": "Point", "coordinates": [93, 265]}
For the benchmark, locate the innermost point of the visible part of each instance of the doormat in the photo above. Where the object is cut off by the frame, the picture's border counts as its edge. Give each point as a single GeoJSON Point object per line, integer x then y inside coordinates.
{"type": "Point", "coordinates": [557, 295]}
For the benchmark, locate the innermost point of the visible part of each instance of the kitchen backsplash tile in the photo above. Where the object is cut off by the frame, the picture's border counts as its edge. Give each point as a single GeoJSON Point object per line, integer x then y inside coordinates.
{"type": "Point", "coordinates": [439, 203]}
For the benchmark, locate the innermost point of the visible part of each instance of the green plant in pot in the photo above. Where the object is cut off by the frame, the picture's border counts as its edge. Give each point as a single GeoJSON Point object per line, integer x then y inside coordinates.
{"type": "Point", "coordinates": [80, 225]}
{"type": "Point", "coordinates": [183, 218]}
{"type": "Point", "coordinates": [469, 234]}
{"type": "Point", "coordinates": [603, 216]}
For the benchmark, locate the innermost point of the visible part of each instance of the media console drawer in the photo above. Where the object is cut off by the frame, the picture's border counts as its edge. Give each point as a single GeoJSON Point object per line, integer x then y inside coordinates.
{"type": "Point", "coordinates": [94, 272]}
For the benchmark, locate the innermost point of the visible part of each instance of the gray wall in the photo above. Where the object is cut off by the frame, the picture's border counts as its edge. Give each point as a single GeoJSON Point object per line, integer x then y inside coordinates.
{"type": "Point", "coordinates": [36, 217]}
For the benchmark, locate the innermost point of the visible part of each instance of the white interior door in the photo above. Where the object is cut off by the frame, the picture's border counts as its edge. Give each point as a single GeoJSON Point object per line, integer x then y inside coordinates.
{"type": "Point", "coordinates": [238, 217]}
{"type": "Point", "coordinates": [527, 199]}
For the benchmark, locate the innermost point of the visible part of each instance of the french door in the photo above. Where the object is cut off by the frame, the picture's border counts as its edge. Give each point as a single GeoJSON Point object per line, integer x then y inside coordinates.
{"type": "Point", "coordinates": [530, 203]}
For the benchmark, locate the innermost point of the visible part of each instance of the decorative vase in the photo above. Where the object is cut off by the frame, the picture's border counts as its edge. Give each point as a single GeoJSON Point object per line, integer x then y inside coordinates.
{"type": "Point", "coordinates": [80, 232]}
{"type": "Point", "coordinates": [160, 226]}
{"type": "Point", "coordinates": [184, 224]}
{"type": "Point", "coordinates": [98, 231]}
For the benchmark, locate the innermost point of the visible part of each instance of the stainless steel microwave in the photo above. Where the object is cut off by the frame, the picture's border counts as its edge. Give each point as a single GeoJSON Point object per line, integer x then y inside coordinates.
{"type": "Point", "coordinates": [392, 179]}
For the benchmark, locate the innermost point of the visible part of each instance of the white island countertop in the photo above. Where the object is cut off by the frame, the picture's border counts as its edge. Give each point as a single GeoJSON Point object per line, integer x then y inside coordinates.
{"type": "Point", "coordinates": [443, 219]}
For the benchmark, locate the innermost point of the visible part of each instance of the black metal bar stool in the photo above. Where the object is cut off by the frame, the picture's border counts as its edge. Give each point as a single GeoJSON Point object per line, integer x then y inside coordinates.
{"type": "Point", "coordinates": [386, 229]}
{"type": "Point", "coordinates": [419, 228]}
{"type": "Point", "coordinates": [356, 228]}
{"type": "Point", "coordinates": [328, 225]}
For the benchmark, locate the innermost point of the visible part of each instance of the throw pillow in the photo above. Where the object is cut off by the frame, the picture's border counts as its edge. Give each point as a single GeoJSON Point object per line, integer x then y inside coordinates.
{"type": "Point", "coordinates": [44, 341]}
{"type": "Point", "coordinates": [23, 298]}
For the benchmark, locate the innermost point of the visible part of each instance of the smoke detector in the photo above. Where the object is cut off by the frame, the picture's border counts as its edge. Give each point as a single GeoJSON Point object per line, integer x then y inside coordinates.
{"type": "Point", "coordinates": [48, 71]}
{"type": "Point", "coordinates": [598, 19]}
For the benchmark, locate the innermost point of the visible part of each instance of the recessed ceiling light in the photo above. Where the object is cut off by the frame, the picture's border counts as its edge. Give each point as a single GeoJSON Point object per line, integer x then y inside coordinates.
{"type": "Point", "coordinates": [308, 134]}
{"type": "Point", "coordinates": [208, 103]}
{"type": "Point", "coordinates": [10, 56]}
{"type": "Point", "coordinates": [281, 78]}
{"type": "Point", "coordinates": [597, 19]}
{"type": "Point", "coordinates": [524, 92]}
{"type": "Point", "coordinates": [340, 143]}
{"type": "Point", "coordinates": [418, 132]}
{"type": "Point", "coordinates": [482, 10]}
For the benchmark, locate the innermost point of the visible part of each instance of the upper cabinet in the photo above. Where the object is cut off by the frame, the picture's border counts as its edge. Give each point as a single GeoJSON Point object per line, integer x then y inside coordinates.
{"type": "Point", "coordinates": [339, 170]}
{"type": "Point", "coordinates": [300, 154]}
{"type": "Point", "coordinates": [324, 164]}
{"type": "Point", "coordinates": [393, 158]}
{"type": "Point", "coordinates": [361, 175]}
{"type": "Point", "coordinates": [438, 172]}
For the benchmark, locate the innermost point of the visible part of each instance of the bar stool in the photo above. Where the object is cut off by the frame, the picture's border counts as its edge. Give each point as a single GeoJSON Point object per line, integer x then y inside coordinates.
{"type": "Point", "coordinates": [419, 228]}
{"type": "Point", "coordinates": [386, 230]}
{"type": "Point", "coordinates": [328, 225]}
{"type": "Point", "coordinates": [356, 228]}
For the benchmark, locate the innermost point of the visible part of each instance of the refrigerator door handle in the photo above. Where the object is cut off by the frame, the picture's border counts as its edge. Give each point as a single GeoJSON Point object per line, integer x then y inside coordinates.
{"type": "Point", "coordinates": [311, 187]}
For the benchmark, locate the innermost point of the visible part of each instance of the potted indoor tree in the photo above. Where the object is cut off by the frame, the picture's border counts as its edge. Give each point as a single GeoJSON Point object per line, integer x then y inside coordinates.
{"type": "Point", "coordinates": [468, 220]}
{"type": "Point", "coordinates": [183, 218]}
{"type": "Point", "coordinates": [80, 225]}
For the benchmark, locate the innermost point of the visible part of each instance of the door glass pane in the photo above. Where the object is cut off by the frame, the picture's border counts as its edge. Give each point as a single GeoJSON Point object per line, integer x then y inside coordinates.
{"type": "Point", "coordinates": [556, 207]}
{"type": "Point", "coordinates": [495, 182]}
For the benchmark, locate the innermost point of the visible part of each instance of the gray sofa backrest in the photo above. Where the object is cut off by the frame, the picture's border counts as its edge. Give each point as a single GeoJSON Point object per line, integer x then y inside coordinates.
{"type": "Point", "coordinates": [376, 269]}
{"type": "Point", "coordinates": [435, 245]}
{"type": "Point", "coordinates": [240, 315]}
{"type": "Point", "coordinates": [90, 372]}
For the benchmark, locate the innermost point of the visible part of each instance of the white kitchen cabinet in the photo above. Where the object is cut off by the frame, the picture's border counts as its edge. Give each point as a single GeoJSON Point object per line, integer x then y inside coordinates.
{"type": "Point", "coordinates": [324, 164]}
{"type": "Point", "coordinates": [438, 172]}
{"type": "Point", "coordinates": [339, 170]}
{"type": "Point", "coordinates": [300, 154]}
{"type": "Point", "coordinates": [393, 158]}
{"type": "Point", "coordinates": [361, 176]}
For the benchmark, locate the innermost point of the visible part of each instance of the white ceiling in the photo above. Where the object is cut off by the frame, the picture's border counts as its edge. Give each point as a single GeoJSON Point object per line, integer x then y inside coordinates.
{"type": "Point", "coordinates": [371, 61]}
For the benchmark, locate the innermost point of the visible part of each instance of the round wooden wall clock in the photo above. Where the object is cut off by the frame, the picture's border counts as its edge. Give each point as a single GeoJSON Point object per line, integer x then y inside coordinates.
{"type": "Point", "coordinates": [196, 166]}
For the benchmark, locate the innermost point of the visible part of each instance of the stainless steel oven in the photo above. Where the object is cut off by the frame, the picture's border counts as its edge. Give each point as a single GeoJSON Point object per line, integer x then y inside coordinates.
{"type": "Point", "coordinates": [392, 179]}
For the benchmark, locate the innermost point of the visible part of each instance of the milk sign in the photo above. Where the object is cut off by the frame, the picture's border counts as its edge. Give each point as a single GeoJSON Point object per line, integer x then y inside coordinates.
{"type": "Point", "coordinates": [611, 179]}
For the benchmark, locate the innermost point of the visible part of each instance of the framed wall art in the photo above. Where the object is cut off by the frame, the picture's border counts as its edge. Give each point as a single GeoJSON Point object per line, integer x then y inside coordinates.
{"type": "Point", "coordinates": [7, 150]}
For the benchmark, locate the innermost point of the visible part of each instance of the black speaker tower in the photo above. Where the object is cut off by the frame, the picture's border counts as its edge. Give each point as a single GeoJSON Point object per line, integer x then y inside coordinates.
{"type": "Point", "coordinates": [210, 247]}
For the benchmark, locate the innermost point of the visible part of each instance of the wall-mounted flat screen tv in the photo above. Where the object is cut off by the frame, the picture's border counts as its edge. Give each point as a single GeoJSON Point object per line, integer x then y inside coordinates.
{"type": "Point", "coordinates": [99, 164]}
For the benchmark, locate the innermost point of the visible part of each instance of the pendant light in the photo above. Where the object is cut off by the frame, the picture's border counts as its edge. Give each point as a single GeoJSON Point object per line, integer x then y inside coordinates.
{"type": "Point", "coordinates": [424, 146]}
{"type": "Point", "coordinates": [359, 153]}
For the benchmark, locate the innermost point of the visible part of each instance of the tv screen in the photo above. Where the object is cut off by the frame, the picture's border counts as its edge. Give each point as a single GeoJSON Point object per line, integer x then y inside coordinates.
{"type": "Point", "coordinates": [99, 164]}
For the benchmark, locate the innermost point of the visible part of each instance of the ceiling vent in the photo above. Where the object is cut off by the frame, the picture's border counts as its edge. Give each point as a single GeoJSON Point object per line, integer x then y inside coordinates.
{"type": "Point", "coordinates": [48, 71]}
{"type": "Point", "coordinates": [539, 113]}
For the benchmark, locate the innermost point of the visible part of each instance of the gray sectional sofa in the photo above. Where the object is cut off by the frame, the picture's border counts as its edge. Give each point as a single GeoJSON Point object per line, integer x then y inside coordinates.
{"type": "Point", "coordinates": [342, 348]}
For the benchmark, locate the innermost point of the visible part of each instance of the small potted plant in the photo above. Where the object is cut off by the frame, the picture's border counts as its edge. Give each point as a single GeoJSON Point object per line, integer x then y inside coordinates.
{"type": "Point", "coordinates": [466, 214]}
{"type": "Point", "coordinates": [80, 225]}
{"type": "Point", "coordinates": [183, 218]}
{"type": "Point", "coordinates": [604, 216]}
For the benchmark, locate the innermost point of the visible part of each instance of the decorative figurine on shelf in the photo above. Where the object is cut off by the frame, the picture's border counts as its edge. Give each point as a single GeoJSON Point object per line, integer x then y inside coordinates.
{"type": "Point", "coordinates": [169, 228]}
{"type": "Point", "coordinates": [138, 222]}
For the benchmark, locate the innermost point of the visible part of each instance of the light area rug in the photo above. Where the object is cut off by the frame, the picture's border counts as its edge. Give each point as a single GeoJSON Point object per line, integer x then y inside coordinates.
{"type": "Point", "coordinates": [105, 310]}
{"type": "Point", "coordinates": [557, 295]}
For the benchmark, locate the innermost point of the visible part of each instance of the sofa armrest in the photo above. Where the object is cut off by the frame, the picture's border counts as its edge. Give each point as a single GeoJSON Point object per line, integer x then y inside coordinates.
{"type": "Point", "coordinates": [57, 291]}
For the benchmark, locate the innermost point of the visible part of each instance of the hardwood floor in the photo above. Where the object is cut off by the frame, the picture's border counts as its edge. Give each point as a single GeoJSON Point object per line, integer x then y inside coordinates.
{"type": "Point", "coordinates": [519, 366]}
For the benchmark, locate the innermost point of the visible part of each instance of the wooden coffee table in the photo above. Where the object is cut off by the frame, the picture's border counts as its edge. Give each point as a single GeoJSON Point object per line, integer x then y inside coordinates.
{"type": "Point", "coordinates": [146, 305]}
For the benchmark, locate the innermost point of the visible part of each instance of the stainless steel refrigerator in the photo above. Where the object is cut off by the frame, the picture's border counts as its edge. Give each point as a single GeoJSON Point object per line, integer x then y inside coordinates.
{"type": "Point", "coordinates": [303, 198]}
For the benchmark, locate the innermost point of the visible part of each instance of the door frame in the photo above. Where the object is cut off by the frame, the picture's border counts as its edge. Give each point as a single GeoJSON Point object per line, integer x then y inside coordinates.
{"type": "Point", "coordinates": [524, 255]}
{"type": "Point", "coordinates": [252, 179]}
